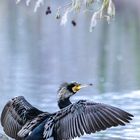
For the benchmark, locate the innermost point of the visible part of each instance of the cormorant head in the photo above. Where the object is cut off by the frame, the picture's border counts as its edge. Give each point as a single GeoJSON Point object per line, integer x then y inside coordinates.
{"type": "Point", "coordinates": [66, 90]}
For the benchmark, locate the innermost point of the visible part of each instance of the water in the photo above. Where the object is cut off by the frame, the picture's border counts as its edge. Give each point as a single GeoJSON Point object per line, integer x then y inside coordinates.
{"type": "Point", "coordinates": [37, 55]}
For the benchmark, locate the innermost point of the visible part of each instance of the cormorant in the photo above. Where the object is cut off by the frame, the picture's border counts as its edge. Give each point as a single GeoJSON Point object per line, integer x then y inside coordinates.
{"type": "Point", "coordinates": [22, 121]}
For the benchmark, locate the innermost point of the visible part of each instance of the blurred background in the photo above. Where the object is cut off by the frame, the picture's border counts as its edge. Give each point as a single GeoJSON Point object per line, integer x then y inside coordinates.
{"type": "Point", "coordinates": [37, 55]}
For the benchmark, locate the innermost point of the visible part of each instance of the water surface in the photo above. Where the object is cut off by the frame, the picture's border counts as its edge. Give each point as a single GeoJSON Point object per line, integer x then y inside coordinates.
{"type": "Point", "coordinates": [37, 55]}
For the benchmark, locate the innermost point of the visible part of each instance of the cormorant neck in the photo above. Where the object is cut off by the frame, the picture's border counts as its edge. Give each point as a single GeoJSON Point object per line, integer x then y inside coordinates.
{"type": "Point", "coordinates": [62, 103]}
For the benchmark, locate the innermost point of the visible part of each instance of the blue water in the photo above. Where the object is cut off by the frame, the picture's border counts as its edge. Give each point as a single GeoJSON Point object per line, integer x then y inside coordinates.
{"type": "Point", "coordinates": [37, 55]}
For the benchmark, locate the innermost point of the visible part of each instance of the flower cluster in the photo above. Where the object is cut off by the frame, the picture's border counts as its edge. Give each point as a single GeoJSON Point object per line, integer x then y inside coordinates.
{"type": "Point", "coordinates": [105, 9]}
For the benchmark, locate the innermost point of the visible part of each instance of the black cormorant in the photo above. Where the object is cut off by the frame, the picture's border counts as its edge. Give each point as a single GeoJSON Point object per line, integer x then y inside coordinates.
{"type": "Point", "coordinates": [22, 121]}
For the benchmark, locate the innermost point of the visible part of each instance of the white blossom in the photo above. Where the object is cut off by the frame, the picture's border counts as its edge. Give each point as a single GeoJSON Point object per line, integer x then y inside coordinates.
{"type": "Point", "coordinates": [111, 8]}
{"type": "Point", "coordinates": [64, 18]}
{"type": "Point", "coordinates": [58, 15]}
{"type": "Point", "coordinates": [106, 9]}
{"type": "Point", "coordinates": [18, 1]}
{"type": "Point", "coordinates": [76, 4]}
{"type": "Point", "coordinates": [38, 4]}
{"type": "Point", "coordinates": [96, 16]}
{"type": "Point", "coordinates": [28, 2]}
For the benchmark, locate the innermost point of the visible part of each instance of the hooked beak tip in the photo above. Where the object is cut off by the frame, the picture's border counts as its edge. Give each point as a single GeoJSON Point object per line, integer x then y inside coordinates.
{"type": "Point", "coordinates": [90, 84]}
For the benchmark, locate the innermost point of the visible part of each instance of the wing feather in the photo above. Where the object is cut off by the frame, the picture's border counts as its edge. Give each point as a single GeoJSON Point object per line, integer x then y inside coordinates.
{"type": "Point", "coordinates": [99, 120]}
{"type": "Point", "coordinates": [15, 114]}
{"type": "Point", "coordinates": [105, 120]}
{"type": "Point", "coordinates": [75, 128]}
{"type": "Point", "coordinates": [115, 119]}
{"type": "Point", "coordinates": [122, 117]}
{"type": "Point", "coordinates": [97, 127]}
{"type": "Point", "coordinates": [87, 117]}
{"type": "Point", "coordinates": [79, 125]}
{"type": "Point", "coordinates": [78, 132]}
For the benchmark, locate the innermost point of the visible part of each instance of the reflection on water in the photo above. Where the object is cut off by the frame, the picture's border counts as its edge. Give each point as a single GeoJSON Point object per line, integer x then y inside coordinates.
{"type": "Point", "coordinates": [36, 55]}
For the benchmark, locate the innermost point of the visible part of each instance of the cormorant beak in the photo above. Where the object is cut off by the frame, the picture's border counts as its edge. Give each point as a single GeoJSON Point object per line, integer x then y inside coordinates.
{"type": "Point", "coordinates": [80, 86]}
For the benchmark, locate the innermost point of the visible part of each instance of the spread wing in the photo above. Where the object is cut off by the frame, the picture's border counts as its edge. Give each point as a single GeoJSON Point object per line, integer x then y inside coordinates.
{"type": "Point", "coordinates": [85, 117]}
{"type": "Point", "coordinates": [15, 114]}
